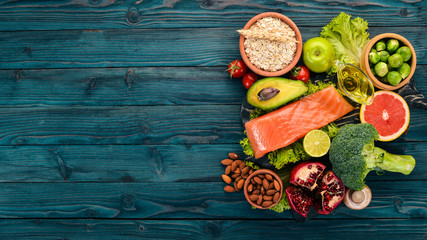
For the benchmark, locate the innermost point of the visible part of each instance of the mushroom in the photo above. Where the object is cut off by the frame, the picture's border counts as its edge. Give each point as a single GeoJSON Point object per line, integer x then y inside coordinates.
{"type": "Point", "coordinates": [358, 200]}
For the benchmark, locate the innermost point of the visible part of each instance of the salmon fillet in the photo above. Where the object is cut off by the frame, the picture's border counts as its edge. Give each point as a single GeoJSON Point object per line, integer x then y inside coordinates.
{"type": "Point", "coordinates": [286, 125]}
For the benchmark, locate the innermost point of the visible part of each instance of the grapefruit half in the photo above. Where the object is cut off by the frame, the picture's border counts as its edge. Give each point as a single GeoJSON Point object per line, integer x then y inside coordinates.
{"type": "Point", "coordinates": [389, 113]}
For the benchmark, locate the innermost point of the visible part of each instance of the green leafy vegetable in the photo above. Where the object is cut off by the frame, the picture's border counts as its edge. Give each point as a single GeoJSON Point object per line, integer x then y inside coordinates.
{"type": "Point", "coordinates": [348, 37]}
{"type": "Point", "coordinates": [246, 146]}
{"type": "Point", "coordinates": [331, 129]}
{"type": "Point", "coordinates": [282, 205]}
{"type": "Point", "coordinates": [289, 154]}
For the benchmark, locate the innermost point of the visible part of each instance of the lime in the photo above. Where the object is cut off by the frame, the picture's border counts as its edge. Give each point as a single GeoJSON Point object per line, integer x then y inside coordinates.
{"type": "Point", "coordinates": [392, 45]}
{"type": "Point", "coordinates": [395, 60]}
{"type": "Point", "coordinates": [393, 78]}
{"type": "Point", "coordinates": [380, 46]}
{"type": "Point", "coordinates": [381, 69]}
{"type": "Point", "coordinates": [316, 143]}
{"type": "Point", "coordinates": [374, 58]}
{"type": "Point", "coordinates": [404, 70]}
{"type": "Point", "coordinates": [405, 52]}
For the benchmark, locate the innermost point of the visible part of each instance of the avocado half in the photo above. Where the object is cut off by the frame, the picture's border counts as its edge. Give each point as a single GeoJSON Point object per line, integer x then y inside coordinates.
{"type": "Point", "coordinates": [273, 92]}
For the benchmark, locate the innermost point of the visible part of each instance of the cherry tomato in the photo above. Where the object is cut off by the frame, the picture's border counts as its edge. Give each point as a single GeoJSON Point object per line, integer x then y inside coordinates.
{"type": "Point", "coordinates": [249, 79]}
{"type": "Point", "coordinates": [237, 68]}
{"type": "Point", "coordinates": [300, 73]}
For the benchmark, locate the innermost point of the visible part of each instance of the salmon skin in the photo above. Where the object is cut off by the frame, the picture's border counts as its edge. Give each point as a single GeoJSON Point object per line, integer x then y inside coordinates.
{"type": "Point", "coordinates": [286, 125]}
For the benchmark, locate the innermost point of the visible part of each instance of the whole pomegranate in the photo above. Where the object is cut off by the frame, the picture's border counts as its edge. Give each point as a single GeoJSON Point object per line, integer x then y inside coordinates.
{"type": "Point", "coordinates": [310, 186]}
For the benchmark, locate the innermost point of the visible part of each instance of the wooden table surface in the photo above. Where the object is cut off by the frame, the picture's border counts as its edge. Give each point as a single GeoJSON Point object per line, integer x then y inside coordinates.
{"type": "Point", "coordinates": [114, 116]}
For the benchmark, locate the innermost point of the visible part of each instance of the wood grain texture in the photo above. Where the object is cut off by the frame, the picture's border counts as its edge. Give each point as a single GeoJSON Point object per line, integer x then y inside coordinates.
{"type": "Point", "coordinates": [130, 86]}
{"type": "Point", "coordinates": [187, 125]}
{"type": "Point", "coordinates": [143, 47]}
{"type": "Point", "coordinates": [389, 229]}
{"type": "Point", "coordinates": [149, 164]}
{"type": "Point", "coordinates": [183, 200]}
{"type": "Point", "coordinates": [120, 86]}
{"type": "Point", "coordinates": [94, 14]}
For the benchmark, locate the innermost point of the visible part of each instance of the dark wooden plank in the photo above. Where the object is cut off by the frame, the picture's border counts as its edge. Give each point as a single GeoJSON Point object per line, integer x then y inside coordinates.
{"type": "Point", "coordinates": [212, 229]}
{"type": "Point", "coordinates": [137, 163]}
{"type": "Point", "coordinates": [121, 125]}
{"type": "Point", "coordinates": [136, 48]}
{"type": "Point", "coordinates": [47, 15]}
{"type": "Point", "coordinates": [188, 125]}
{"type": "Point", "coordinates": [183, 200]}
{"type": "Point", "coordinates": [120, 86]}
{"type": "Point", "coordinates": [129, 86]}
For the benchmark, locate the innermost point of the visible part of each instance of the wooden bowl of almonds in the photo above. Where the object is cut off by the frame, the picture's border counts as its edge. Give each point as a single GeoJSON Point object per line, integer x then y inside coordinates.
{"type": "Point", "coordinates": [263, 189]}
{"type": "Point", "coordinates": [270, 44]}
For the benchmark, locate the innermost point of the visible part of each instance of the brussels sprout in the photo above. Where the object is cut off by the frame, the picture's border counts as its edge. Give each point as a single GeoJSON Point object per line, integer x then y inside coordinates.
{"type": "Point", "coordinates": [394, 78]}
{"type": "Point", "coordinates": [404, 70]}
{"type": "Point", "coordinates": [381, 69]}
{"type": "Point", "coordinates": [392, 45]}
{"type": "Point", "coordinates": [374, 58]}
{"type": "Point", "coordinates": [380, 46]}
{"type": "Point", "coordinates": [384, 55]}
{"type": "Point", "coordinates": [373, 50]}
{"type": "Point", "coordinates": [405, 52]}
{"type": "Point", "coordinates": [395, 60]}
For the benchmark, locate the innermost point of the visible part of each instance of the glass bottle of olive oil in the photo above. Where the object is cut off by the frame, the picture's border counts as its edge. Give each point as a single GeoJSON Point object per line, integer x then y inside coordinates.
{"type": "Point", "coordinates": [354, 83]}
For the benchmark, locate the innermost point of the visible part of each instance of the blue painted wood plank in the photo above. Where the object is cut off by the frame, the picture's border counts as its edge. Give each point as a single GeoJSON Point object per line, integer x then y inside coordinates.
{"type": "Point", "coordinates": [48, 15]}
{"type": "Point", "coordinates": [184, 200]}
{"type": "Point", "coordinates": [137, 48]}
{"type": "Point", "coordinates": [187, 125]}
{"type": "Point", "coordinates": [120, 86]}
{"type": "Point", "coordinates": [89, 229]}
{"type": "Point", "coordinates": [129, 86]}
{"type": "Point", "coordinates": [149, 164]}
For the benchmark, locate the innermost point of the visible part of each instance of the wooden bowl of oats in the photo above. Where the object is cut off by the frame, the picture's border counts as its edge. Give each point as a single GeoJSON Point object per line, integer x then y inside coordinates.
{"type": "Point", "coordinates": [270, 44]}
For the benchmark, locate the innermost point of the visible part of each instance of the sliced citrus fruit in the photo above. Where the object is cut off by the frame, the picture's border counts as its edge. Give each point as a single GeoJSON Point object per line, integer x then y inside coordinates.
{"type": "Point", "coordinates": [316, 143]}
{"type": "Point", "coordinates": [389, 113]}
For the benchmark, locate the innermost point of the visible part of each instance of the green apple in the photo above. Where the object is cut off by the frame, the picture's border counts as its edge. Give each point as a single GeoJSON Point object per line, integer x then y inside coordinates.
{"type": "Point", "coordinates": [318, 54]}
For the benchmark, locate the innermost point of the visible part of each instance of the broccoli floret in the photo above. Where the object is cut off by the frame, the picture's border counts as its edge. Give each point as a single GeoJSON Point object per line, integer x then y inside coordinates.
{"type": "Point", "coordinates": [353, 155]}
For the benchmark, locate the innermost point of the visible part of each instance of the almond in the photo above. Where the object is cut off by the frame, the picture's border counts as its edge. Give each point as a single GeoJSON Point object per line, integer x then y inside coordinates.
{"type": "Point", "coordinates": [256, 192]}
{"type": "Point", "coordinates": [237, 170]}
{"type": "Point", "coordinates": [226, 178]}
{"type": "Point", "coordinates": [238, 162]}
{"type": "Point", "coordinates": [269, 177]}
{"type": "Point", "coordinates": [253, 197]}
{"type": "Point", "coordinates": [267, 198]}
{"type": "Point", "coordinates": [227, 162]}
{"type": "Point", "coordinates": [271, 192]}
{"type": "Point", "coordinates": [245, 170]}
{"type": "Point", "coordinates": [228, 170]}
{"type": "Point", "coordinates": [236, 175]}
{"type": "Point", "coordinates": [259, 201]}
{"type": "Point", "coordinates": [229, 188]}
{"type": "Point", "coordinates": [250, 187]}
{"type": "Point", "coordinates": [233, 166]}
{"type": "Point", "coordinates": [266, 203]}
{"type": "Point", "coordinates": [276, 197]}
{"type": "Point", "coordinates": [240, 184]}
{"type": "Point", "coordinates": [265, 184]}
{"type": "Point", "coordinates": [277, 185]}
{"type": "Point", "coordinates": [233, 156]}
{"type": "Point", "coordinates": [258, 180]}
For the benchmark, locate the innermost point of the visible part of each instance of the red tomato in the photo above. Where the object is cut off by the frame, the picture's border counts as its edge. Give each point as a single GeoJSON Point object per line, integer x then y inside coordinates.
{"type": "Point", "coordinates": [300, 73]}
{"type": "Point", "coordinates": [249, 79]}
{"type": "Point", "coordinates": [237, 68]}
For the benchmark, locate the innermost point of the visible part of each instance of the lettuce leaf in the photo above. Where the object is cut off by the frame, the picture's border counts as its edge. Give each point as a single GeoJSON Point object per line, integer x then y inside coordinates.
{"type": "Point", "coordinates": [348, 37]}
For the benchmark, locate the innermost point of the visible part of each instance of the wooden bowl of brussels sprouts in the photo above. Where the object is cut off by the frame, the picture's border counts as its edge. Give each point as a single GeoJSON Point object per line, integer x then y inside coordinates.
{"type": "Point", "coordinates": [389, 60]}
